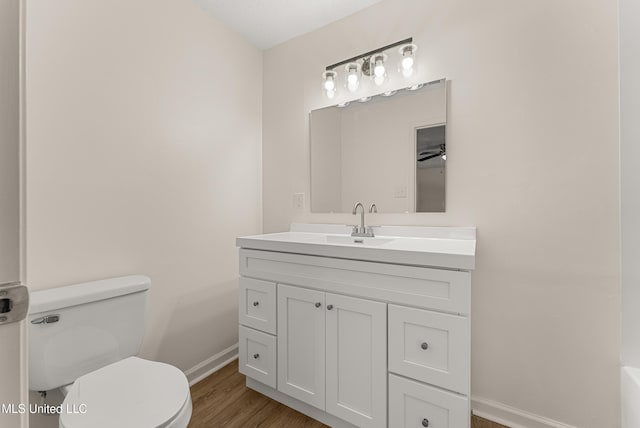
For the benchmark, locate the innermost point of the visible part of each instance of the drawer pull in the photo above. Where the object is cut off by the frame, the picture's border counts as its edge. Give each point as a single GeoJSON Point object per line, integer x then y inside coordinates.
{"type": "Point", "coordinates": [256, 303]}
{"type": "Point", "coordinates": [256, 356]}
{"type": "Point", "coordinates": [425, 346]}
{"type": "Point", "coordinates": [329, 307]}
{"type": "Point", "coordinates": [425, 422]}
{"type": "Point", "coordinates": [318, 304]}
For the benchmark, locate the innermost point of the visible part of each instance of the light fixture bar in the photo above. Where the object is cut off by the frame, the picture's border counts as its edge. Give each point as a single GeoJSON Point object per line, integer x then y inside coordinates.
{"type": "Point", "coordinates": [367, 54]}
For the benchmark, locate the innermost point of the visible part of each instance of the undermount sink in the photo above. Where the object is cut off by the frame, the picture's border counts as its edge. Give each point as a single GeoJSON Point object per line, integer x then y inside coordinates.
{"type": "Point", "coordinates": [352, 240]}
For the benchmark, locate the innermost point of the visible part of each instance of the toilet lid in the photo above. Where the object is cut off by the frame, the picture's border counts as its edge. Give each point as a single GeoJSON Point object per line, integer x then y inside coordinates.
{"type": "Point", "coordinates": [129, 393]}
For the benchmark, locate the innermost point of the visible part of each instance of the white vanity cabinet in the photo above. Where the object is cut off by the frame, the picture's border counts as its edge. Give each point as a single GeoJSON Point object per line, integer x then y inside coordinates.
{"type": "Point", "coordinates": [357, 341]}
{"type": "Point", "coordinates": [332, 353]}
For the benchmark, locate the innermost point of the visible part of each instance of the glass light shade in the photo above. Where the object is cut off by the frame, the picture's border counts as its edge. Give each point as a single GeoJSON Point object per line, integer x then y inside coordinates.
{"type": "Point", "coordinates": [353, 77]}
{"type": "Point", "coordinates": [329, 83]}
{"type": "Point", "coordinates": [378, 80]}
{"type": "Point", "coordinates": [407, 53]}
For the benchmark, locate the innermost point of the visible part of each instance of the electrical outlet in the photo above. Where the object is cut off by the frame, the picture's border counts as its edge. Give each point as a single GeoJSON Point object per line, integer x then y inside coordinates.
{"type": "Point", "coordinates": [298, 201]}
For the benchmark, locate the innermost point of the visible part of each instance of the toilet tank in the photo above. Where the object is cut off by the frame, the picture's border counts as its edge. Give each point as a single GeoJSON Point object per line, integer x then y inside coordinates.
{"type": "Point", "coordinates": [80, 328]}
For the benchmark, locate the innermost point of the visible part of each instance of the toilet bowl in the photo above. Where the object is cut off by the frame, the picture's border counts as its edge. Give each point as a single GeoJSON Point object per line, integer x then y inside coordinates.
{"type": "Point", "coordinates": [83, 339]}
{"type": "Point", "coordinates": [129, 393]}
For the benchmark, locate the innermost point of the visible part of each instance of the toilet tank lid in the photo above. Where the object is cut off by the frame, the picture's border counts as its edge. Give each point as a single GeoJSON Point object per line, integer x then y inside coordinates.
{"type": "Point", "coordinates": [86, 292]}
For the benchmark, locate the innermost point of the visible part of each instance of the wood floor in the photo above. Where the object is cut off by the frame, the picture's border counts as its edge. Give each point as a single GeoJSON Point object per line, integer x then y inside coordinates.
{"type": "Point", "coordinates": [223, 400]}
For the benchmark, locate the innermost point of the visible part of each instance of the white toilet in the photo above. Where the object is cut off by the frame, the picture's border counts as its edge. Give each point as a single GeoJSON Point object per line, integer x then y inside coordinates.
{"type": "Point", "coordinates": [83, 338]}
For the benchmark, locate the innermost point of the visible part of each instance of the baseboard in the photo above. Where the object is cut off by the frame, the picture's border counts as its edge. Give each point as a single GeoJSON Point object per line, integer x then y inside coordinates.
{"type": "Point", "coordinates": [510, 416]}
{"type": "Point", "coordinates": [211, 365]}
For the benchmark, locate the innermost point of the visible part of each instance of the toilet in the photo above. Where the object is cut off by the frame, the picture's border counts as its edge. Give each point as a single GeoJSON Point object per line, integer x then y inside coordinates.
{"type": "Point", "coordinates": [83, 340]}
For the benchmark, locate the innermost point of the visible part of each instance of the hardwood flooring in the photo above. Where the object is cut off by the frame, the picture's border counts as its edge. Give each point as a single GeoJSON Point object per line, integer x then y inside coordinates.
{"type": "Point", "coordinates": [223, 400]}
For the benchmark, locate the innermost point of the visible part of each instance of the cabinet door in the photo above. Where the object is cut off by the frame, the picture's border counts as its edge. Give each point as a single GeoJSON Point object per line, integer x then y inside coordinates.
{"type": "Point", "coordinates": [301, 350]}
{"type": "Point", "coordinates": [356, 360]}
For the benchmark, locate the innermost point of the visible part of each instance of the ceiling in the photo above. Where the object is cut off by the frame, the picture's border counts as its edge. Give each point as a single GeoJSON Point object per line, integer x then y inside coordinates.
{"type": "Point", "coordinates": [267, 23]}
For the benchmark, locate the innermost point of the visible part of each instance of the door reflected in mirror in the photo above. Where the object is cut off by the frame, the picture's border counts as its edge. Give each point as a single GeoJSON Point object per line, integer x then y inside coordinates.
{"type": "Point", "coordinates": [389, 150]}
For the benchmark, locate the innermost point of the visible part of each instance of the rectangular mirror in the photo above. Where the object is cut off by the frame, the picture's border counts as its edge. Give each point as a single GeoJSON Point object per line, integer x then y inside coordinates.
{"type": "Point", "coordinates": [389, 150]}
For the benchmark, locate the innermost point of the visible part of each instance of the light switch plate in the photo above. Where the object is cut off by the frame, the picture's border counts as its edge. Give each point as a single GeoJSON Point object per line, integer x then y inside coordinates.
{"type": "Point", "coordinates": [298, 201]}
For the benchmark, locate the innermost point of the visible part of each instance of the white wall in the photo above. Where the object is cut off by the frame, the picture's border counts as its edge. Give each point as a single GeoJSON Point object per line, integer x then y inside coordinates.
{"type": "Point", "coordinates": [532, 161]}
{"type": "Point", "coordinates": [143, 156]}
{"type": "Point", "coordinates": [630, 178]}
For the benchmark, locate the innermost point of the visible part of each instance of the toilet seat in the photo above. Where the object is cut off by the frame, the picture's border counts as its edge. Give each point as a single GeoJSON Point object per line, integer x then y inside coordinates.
{"type": "Point", "coordinates": [132, 393]}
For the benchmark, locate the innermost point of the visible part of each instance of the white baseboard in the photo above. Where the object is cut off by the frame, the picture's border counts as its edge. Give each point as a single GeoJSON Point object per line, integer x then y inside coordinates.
{"type": "Point", "coordinates": [200, 371]}
{"type": "Point", "coordinates": [510, 416]}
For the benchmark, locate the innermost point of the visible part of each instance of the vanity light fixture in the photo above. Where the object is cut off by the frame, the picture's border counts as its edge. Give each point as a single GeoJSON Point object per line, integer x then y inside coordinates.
{"type": "Point", "coordinates": [344, 104]}
{"type": "Point", "coordinates": [415, 87]}
{"type": "Point", "coordinates": [388, 93]}
{"type": "Point", "coordinates": [364, 99]}
{"type": "Point", "coordinates": [372, 64]}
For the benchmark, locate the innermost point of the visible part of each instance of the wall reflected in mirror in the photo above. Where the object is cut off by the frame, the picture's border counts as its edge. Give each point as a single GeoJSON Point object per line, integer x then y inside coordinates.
{"type": "Point", "coordinates": [389, 150]}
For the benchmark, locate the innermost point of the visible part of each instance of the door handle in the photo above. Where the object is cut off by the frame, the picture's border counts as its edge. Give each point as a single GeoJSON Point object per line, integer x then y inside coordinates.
{"type": "Point", "coordinates": [14, 302]}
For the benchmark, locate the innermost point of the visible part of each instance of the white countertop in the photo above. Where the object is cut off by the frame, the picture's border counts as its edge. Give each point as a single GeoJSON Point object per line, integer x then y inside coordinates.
{"type": "Point", "coordinates": [445, 247]}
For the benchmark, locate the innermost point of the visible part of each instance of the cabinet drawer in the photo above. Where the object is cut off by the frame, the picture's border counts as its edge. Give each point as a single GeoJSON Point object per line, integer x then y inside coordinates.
{"type": "Point", "coordinates": [415, 405]}
{"type": "Point", "coordinates": [257, 355]}
{"type": "Point", "coordinates": [257, 304]}
{"type": "Point", "coordinates": [429, 346]}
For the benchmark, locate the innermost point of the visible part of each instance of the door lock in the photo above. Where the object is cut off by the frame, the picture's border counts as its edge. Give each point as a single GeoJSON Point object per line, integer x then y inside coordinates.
{"type": "Point", "coordinates": [14, 302]}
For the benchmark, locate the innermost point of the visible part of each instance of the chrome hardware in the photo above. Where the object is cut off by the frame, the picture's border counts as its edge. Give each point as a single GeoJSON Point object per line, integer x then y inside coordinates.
{"type": "Point", "coordinates": [329, 307]}
{"type": "Point", "coordinates": [14, 302]}
{"type": "Point", "coordinates": [256, 303]}
{"type": "Point", "coordinates": [318, 304]}
{"type": "Point", "coordinates": [256, 356]}
{"type": "Point", "coordinates": [424, 346]}
{"type": "Point", "coordinates": [48, 319]}
{"type": "Point", "coordinates": [425, 422]}
{"type": "Point", "coordinates": [373, 209]}
{"type": "Point", "coordinates": [361, 231]}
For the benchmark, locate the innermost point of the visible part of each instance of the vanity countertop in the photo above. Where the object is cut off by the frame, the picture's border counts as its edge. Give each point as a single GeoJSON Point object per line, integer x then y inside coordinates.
{"type": "Point", "coordinates": [444, 247]}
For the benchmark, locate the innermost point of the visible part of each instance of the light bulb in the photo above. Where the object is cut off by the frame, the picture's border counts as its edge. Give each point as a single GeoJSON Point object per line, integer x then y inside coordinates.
{"type": "Point", "coordinates": [379, 69]}
{"type": "Point", "coordinates": [407, 62]}
{"type": "Point", "coordinates": [352, 82]}
{"type": "Point", "coordinates": [378, 80]}
{"type": "Point", "coordinates": [331, 94]}
{"type": "Point", "coordinates": [329, 84]}
{"type": "Point", "coordinates": [407, 72]}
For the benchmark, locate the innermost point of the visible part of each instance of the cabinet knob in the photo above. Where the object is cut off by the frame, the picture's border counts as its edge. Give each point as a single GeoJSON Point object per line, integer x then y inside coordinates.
{"type": "Point", "coordinates": [256, 303]}
{"type": "Point", "coordinates": [318, 304]}
{"type": "Point", "coordinates": [329, 307]}
{"type": "Point", "coordinates": [425, 422]}
{"type": "Point", "coordinates": [256, 356]}
{"type": "Point", "coordinates": [424, 346]}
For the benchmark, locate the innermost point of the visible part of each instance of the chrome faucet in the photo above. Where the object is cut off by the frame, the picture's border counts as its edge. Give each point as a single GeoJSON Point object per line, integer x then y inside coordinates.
{"type": "Point", "coordinates": [361, 231]}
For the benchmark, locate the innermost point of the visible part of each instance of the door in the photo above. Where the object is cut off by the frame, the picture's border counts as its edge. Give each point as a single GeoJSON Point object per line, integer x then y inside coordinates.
{"type": "Point", "coordinates": [301, 350]}
{"type": "Point", "coordinates": [13, 380]}
{"type": "Point", "coordinates": [356, 359]}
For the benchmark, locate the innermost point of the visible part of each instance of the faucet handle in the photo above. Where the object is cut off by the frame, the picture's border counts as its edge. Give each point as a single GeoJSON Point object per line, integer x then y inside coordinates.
{"type": "Point", "coordinates": [369, 231]}
{"type": "Point", "coordinates": [355, 228]}
{"type": "Point", "coordinates": [373, 209]}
